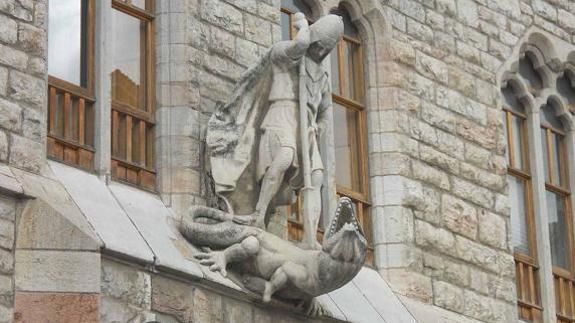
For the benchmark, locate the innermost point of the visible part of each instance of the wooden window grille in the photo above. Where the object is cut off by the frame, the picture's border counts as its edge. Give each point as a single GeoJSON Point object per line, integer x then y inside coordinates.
{"type": "Point", "coordinates": [559, 213]}
{"type": "Point", "coordinates": [133, 120]}
{"type": "Point", "coordinates": [71, 83]}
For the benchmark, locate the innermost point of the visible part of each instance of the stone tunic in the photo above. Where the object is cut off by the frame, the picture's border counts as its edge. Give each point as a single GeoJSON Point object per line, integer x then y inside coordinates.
{"type": "Point", "coordinates": [280, 124]}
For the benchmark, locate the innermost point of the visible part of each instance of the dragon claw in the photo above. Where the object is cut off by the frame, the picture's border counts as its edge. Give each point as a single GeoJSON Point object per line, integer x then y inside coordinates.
{"type": "Point", "coordinates": [216, 260]}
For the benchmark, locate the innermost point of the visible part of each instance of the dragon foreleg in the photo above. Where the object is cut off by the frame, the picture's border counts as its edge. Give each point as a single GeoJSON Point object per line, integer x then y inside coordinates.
{"type": "Point", "coordinates": [218, 260]}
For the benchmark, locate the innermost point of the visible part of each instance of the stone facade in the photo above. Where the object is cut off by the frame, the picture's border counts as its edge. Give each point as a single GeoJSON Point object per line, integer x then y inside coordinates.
{"type": "Point", "coordinates": [444, 219]}
{"type": "Point", "coordinates": [437, 166]}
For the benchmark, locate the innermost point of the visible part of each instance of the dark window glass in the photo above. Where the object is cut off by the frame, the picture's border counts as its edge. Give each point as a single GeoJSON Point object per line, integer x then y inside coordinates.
{"type": "Point", "coordinates": [558, 233]}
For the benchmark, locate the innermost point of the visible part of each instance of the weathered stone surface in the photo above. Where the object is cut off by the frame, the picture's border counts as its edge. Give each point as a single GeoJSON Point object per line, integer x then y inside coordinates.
{"type": "Point", "coordinates": [38, 223]}
{"type": "Point", "coordinates": [482, 196]}
{"type": "Point", "coordinates": [6, 234]}
{"type": "Point", "coordinates": [126, 284]}
{"type": "Point", "coordinates": [112, 310]}
{"type": "Point", "coordinates": [448, 296]}
{"type": "Point", "coordinates": [492, 229]}
{"type": "Point", "coordinates": [56, 307]}
{"type": "Point", "coordinates": [258, 30]}
{"type": "Point", "coordinates": [8, 30]}
{"type": "Point", "coordinates": [57, 271]}
{"type": "Point", "coordinates": [26, 154]}
{"type": "Point", "coordinates": [429, 236]}
{"type": "Point", "coordinates": [173, 298]}
{"type": "Point", "coordinates": [223, 15]}
{"type": "Point", "coordinates": [6, 285]}
{"type": "Point", "coordinates": [411, 284]}
{"type": "Point", "coordinates": [10, 115]}
{"type": "Point", "coordinates": [12, 57]}
{"type": "Point", "coordinates": [32, 39]}
{"type": "Point", "coordinates": [28, 89]}
{"type": "Point", "coordinates": [6, 262]}
{"type": "Point", "coordinates": [459, 216]}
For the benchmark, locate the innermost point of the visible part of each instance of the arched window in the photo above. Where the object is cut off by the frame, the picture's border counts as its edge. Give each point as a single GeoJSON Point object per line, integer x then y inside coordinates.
{"type": "Point", "coordinates": [349, 121]}
{"type": "Point", "coordinates": [549, 247]}
{"type": "Point", "coordinates": [559, 213]}
{"type": "Point", "coordinates": [521, 205]}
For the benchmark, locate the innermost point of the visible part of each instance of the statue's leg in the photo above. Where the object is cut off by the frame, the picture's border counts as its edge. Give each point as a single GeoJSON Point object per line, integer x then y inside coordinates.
{"type": "Point", "coordinates": [287, 272]}
{"type": "Point", "coordinates": [218, 260]}
{"type": "Point", "coordinates": [311, 220]}
{"type": "Point", "coordinates": [272, 181]}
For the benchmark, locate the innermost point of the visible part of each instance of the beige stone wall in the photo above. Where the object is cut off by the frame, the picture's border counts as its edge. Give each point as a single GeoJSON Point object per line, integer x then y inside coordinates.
{"type": "Point", "coordinates": [203, 46]}
{"type": "Point", "coordinates": [7, 219]}
{"type": "Point", "coordinates": [23, 50]}
{"type": "Point", "coordinates": [133, 294]}
{"type": "Point", "coordinates": [22, 117]}
{"type": "Point", "coordinates": [443, 229]}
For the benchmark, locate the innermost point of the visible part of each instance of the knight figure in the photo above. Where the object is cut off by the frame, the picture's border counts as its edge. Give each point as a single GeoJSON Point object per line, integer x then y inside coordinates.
{"type": "Point", "coordinates": [263, 149]}
{"type": "Point", "coordinates": [285, 139]}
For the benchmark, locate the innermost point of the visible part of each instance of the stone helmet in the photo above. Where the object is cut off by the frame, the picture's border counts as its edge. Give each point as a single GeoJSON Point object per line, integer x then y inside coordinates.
{"type": "Point", "coordinates": [326, 31]}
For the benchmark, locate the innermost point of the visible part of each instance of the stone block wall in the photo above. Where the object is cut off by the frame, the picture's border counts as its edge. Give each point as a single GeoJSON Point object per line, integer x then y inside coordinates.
{"type": "Point", "coordinates": [442, 233]}
{"type": "Point", "coordinates": [7, 239]}
{"type": "Point", "coordinates": [23, 51]}
{"type": "Point", "coordinates": [203, 46]}
{"type": "Point", "coordinates": [132, 294]}
{"type": "Point", "coordinates": [23, 86]}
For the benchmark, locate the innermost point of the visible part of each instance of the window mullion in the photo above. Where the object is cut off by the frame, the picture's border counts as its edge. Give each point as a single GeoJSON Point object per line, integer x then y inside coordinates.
{"type": "Point", "coordinates": [511, 148]}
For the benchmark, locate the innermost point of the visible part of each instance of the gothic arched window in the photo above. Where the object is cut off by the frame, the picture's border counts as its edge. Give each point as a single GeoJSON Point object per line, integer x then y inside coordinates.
{"type": "Point", "coordinates": [520, 198]}
{"type": "Point", "coordinates": [539, 186]}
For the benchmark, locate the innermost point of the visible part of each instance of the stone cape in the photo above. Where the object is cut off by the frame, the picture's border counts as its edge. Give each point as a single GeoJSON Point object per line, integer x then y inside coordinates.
{"type": "Point", "coordinates": [232, 138]}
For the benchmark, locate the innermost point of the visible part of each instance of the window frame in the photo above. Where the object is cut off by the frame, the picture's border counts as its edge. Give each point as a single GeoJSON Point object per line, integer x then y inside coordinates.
{"type": "Point", "coordinates": [359, 197]}
{"type": "Point", "coordinates": [561, 276]}
{"type": "Point", "coordinates": [526, 266]}
{"type": "Point", "coordinates": [145, 173]}
{"type": "Point", "coordinates": [64, 148]}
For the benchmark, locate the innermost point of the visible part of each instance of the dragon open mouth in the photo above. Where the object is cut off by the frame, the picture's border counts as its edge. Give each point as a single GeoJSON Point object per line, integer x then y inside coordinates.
{"type": "Point", "coordinates": [344, 215]}
{"type": "Point", "coordinates": [344, 239]}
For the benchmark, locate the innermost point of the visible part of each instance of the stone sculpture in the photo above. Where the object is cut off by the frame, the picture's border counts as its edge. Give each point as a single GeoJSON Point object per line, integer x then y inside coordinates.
{"type": "Point", "coordinates": [263, 148]}
{"type": "Point", "coordinates": [268, 264]}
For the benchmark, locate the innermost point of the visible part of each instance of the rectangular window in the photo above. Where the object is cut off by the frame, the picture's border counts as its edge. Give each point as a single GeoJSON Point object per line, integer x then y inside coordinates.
{"type": "Point", "coordinates": [70, 82]}
{"type": "Point", "coordinates": [349, 128]}
{"type": "Point", "coordinates": [133, 93]}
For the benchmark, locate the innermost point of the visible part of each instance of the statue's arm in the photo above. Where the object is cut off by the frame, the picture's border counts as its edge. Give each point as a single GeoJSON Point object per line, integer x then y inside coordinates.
{"type": "Point", "coordinates": [297, 47]}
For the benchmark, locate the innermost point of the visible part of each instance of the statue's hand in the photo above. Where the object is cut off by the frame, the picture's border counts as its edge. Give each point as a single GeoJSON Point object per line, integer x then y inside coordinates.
{"type": "Point", "coordinates": [300, 22]}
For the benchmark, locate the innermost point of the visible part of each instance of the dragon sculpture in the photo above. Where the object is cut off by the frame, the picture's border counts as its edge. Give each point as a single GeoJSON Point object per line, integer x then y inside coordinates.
{"type": "Point", "coordinates": [271, 265]}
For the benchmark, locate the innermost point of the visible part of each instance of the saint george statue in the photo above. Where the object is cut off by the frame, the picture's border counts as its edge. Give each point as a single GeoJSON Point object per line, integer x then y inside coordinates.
{"type": "Point", "coordinates": [264, 142]}
{"type": "Point", "coordinates": [263, 148]}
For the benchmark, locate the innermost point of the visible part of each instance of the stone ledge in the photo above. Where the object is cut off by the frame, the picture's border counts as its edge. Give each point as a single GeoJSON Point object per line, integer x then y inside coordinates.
{"type": "Point", "coordinates": [134, 226]}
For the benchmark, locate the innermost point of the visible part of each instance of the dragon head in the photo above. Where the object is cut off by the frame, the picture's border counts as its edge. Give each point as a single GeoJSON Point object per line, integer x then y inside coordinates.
{"type": "Point", "coordinates": [344, 241]}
